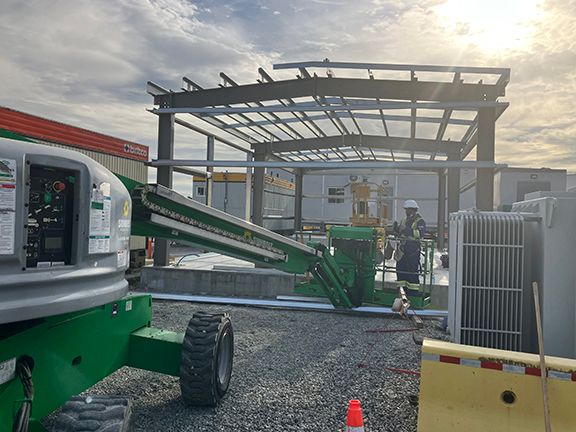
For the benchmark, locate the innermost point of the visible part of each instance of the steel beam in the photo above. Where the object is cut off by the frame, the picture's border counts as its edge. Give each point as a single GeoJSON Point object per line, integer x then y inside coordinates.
{"type": "Point", "coordinates": [470, 138]}
{"type": "Point", "coordinates": [258, 187]}
{"type": "Point", "coordinates": [323, 87]}
{"type": "Point", "coordinates": [274, 120]}
{"type": "Point", "coordinates": [249, 122]}
{"type": "Point", "coordinates": [454, 183]}
{"type": "Point", "coordinates": [298, 183]}
{"type": "Point", "coordinates": [446, 116]}
{"type": "Point", "coordinates": [485, 153]}
{"type": "Point", "coordinates": [441, 209]}
{"type": "Point", "coordinates": [364, 116]}
{"type": "Point", "coordinates": [209, 170]}
{"type": "Point", "coordinates": [190, 172]}
{"type": "Point", "coordinates": [260, 162]}
{"type": "Point", "coordinates": [459, 105]}
{"type": "Point", "coordinates": [155, 89]}
{"type": "Point", "coordinates": [164, 177]}
{"type": "Point", "coordinates": [304, 118]}
{"type": "Point", "coordinates": [369, 141]}
{"type": "Point", "coordinates": [396, 67]}
{"type": "Point", "coordinates": [297, 304]}
{"type": "Point", "coordinates": [248, 187]}
{"type": "Point", "coordinates": [191, 86]}
{"type": "Point", "coordinates": [334, 118]}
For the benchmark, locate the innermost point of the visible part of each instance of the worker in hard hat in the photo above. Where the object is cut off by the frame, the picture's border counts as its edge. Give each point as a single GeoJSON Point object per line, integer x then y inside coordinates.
{"type": "Point", "coordinates": [411, 229]}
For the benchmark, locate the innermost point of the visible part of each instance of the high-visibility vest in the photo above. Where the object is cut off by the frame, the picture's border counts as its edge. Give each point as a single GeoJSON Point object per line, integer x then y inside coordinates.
{"type": "Point", "coordinates": [415, 231]}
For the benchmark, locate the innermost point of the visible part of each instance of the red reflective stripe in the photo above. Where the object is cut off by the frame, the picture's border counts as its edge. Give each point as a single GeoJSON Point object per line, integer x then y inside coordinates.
{"type": "Point", "coordinates": [449, 359]}
{"type": "Point", "coordinates": [491, 365]}
{"type": "Point", "coordinates": [532, 371]}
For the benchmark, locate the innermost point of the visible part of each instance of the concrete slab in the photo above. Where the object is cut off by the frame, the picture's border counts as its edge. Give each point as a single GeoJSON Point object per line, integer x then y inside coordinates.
{"type": "Point", "coordinates": [219, 275]}
{"type": "Point", "coordinates": [248, 283]}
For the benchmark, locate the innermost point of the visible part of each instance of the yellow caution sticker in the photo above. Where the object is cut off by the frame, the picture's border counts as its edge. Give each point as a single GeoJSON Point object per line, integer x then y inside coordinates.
{"type": "Point", "coordinates": [126, 208]}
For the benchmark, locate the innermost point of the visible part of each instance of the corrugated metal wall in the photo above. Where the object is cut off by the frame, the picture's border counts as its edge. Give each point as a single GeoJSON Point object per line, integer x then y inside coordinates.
{"type": "Point", "coordinates": [133, 169]}
{"type": "Point", "coordinates": [229, 196]}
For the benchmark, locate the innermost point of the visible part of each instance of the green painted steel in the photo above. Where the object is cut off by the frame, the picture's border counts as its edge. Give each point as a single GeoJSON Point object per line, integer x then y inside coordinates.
{"type": "Point", "coordinates": [161, 213]}
{"type": "Point", "coordinates": [12, 135]}
{"type": "Point", "coordinates": [146, 203]}
{"type": "Point", "coordinates": [156, 350]}
{"type": "Point", "coordinates": [352, 233]}
{"type": "Point", "coordinates": [72, 352]}
{"type": "Point", "coordinates": [330, 278]}
{"type": "Point", "coordinates": [129, 183]}
{"type": "Point", "coordinates": [346, 276]}
{"type": "Point", "coordinates": [357, 253]}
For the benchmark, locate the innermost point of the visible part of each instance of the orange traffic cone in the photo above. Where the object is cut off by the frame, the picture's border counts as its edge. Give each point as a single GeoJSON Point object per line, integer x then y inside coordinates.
{"type": "Point", "coordinates": [354, 422]}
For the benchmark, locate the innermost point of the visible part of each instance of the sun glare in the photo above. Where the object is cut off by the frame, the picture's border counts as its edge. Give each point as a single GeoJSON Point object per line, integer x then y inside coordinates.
{"type": "Point", "coordinates": [492, 25]}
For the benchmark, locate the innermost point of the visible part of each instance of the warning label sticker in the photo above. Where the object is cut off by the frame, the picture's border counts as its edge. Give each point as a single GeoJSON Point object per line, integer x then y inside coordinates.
{"type": "Point", "coordinates": [7, 205]}
{"type": "Point", "coordinates": [122, 258]}
{"type": "Point", "coordinates": [100, 215]}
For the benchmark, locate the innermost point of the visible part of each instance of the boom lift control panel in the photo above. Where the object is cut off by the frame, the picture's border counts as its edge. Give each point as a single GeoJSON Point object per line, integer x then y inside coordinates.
{"type": "Point", "coordinates": [50, 217]}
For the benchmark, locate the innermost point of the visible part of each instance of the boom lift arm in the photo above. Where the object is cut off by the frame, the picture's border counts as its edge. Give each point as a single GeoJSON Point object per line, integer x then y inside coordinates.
{"type": "Point", "coordinates": [162, 213]}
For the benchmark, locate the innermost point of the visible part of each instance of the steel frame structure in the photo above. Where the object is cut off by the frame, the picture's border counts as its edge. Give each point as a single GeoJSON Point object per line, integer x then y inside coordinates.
{"type": "Point", "coordinates": [431, 117]}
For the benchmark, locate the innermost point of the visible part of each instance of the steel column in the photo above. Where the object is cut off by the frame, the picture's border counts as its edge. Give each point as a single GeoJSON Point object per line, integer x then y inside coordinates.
{"type": "Point", "coordinates": [248, 200]}
{"type": "Point", "coordinates": [299, 181]}
{"type": "Point", "coordinates": [209, 169]}
{"type": "Point", "coordinates": [453, 185]}
{"type": "Point", "coordinates": [164, 177]}
{"type": "Point", "coordinates": [441, 209]}
{"type": "Point", "coordinates": [258, 190]}
{"type": "Point", "coordinates": [485, 152]}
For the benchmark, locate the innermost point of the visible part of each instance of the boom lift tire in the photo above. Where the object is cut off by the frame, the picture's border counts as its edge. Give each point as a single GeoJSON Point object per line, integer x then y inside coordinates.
{"type": "Point", "coordinates": [206, 362]}
{"type": "Point", "coordinates": [95, 413]}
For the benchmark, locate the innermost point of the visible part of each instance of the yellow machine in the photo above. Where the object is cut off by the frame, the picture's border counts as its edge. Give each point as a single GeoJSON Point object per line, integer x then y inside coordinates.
{"type": "Point", "coordinates": [473, 389]}
{"type": "Point", "coordinates": [361, 195]}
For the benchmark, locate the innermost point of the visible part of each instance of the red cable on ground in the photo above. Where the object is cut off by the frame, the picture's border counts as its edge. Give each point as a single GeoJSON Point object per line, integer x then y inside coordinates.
{"type": "Point", "coordinates": [405, 371]}
{"type": "Point", "coordinates": [391, 330]}
{"type": "Point", "coordinates": [364, 363]}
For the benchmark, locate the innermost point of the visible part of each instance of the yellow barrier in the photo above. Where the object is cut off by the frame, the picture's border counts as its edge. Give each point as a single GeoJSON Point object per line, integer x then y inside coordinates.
{"type": "Point", "coordinates": [472, 389]}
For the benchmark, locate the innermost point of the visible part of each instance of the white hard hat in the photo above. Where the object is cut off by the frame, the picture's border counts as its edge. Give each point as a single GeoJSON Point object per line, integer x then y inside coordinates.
{"type": "Point", "coordinates": [410, 204]}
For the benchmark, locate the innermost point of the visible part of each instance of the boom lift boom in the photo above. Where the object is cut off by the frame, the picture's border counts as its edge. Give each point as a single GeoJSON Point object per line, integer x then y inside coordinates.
{"type": "Point", "coordinates": [162, 213]}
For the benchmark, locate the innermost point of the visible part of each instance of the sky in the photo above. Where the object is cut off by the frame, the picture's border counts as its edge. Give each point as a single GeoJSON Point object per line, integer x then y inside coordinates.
{"type": "Point", "coordinates": [86, 62]}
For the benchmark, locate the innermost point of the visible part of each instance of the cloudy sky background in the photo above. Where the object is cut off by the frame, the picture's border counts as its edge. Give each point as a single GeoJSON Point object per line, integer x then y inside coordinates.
{"type": "Point", "coordinates": [86, 62]}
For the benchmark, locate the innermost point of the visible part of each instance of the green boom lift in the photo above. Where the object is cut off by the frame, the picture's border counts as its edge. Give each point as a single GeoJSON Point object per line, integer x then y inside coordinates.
{"type": "Point", "coordinates": [66, 317]}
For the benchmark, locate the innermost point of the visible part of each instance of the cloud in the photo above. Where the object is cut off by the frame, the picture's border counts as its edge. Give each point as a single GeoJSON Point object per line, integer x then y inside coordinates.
{"type": "Point", "coordinates": [86, 62]}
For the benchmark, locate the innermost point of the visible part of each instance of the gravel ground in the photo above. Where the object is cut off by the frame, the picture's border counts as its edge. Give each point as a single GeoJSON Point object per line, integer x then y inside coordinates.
{"type": "Point", "coordinates": [293, 371]}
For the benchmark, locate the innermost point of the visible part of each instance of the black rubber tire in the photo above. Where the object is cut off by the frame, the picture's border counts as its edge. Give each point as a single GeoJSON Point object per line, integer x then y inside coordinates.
{"type": "Point", "coordinates": [207, 357]}
{"type": "Point", "coordinates": [101, 414]}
